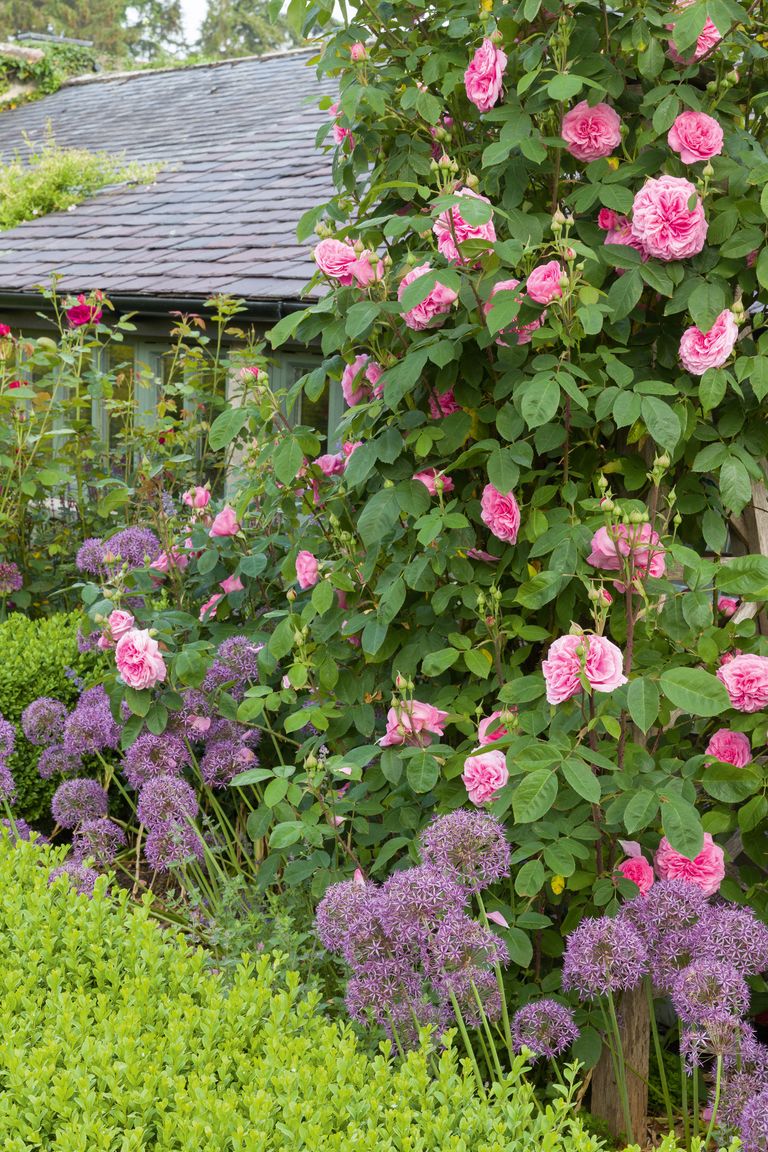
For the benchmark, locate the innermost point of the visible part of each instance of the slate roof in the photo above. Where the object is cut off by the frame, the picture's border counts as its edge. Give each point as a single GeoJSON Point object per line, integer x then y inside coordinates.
{"type": "Point", "coordinates": [238, 138]}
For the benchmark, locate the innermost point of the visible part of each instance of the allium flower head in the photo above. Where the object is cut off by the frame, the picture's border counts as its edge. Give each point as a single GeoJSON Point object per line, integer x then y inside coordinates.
{"type": "Point", "coordinates": [223, 760]}
{"type": "Point", "coordinates": [18, 830]}
{"type": "Point", "coordinates": [719, 1036]}
{"type": "Point", "coordinates": [339, 910]}
{"type": "Point", "coordinates": [132, 546]}
{"type": "Point", "coordinates": [469, 846]}
{"type": "Point", "coordinates": [99, 839]}
{"type": "Point", "coordinates": [709, 988]}
{"type": "Point", "coordinates": [386, 991]}
{"type": "Point", "coordinates": [7, 738]}
{"type": "Point", "coordinates": [669, 905]}
{"type": "Point", "coordinates": [411, 902]}
{"type": "Point", "coordinates": [603, 955]}
{"type": "Point", "coordinates": [545, 1027]}
{"type": "Point", "coordinates": [236, 664]}
{"type": "Point", "coordinates": [80, 876]}
{"type": "Point", "coordinates": [166, 800]}
{"type": "Point", "coordinates": [77, 800]}
{"type": "Point", "coordinates": [150, 756]}
{"type": "Point", "coordinates": [7, 783]}
{"type": "Point", "coordinates": [753, 1124]}
{"type": "Point", "coordinates": [58, 761]}
{"type": "Point", "coordinates": [738, 1090]}
{"type": "Point", "coordinates": [10, 578]}
{"type": "Point", "coordinates": [43, 721]}
{"type": "Point", "coordinates": [462, 953]}
{"type": "Point", "coordinates": [90, 728]}
{"type": "Point", "coordinates": [90, 557]}
{"type": "Point", "coordinates": [733, 934]}
{"type": "Point", "coordinates": [170, 845]}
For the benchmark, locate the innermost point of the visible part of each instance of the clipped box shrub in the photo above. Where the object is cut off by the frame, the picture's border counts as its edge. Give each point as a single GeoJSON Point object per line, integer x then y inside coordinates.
{"type": "Point", "coordinates": [35, 656]}
{"type": "Point", "coordinates": [116, 1038]}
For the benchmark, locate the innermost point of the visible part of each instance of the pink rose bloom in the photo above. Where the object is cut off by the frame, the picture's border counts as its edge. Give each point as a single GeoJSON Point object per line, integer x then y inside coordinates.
{"type": "Point", "coordinates": [209, 609]}
{"type": "Point", "coordinates": [662, 221]}
{"type": "Point", "coordinates": [543, 284]}
{"type": "Point", "coordinates": [730, 747]}
{"type": "Point", "coordinates": [607, 219]}
{"type": "Point", "coordinates": [488, 731]}
{"type": "Point", "coordinates": [83, 313]}
{"type": "Point", "coordinates": [413, 723]}
{"type": "Point", "coordinates": [500, 513]}
{"type": "Point", "coordinates": [451, 228]}
{"type": "Point", "coordinates": [104, 642]}
{"type": "Point", "coordinates": [348, 448]}
{"type": "Point", "coordinates": [4, 330]}
{"type": "Point", "coordinates": [484, 77]}
{"type": "Point", "coordinates": [139, 660]}
{"type": "Point", "coordinates": [600, 661]}
{"type": "Point", "coordinates": [119, 623]}
{"type": "Point", "coordinates": [363, 272]}
{"type": "Point", "coordinates": [197, 497]}
{"type": "Point", "coordinates": [431, 479]}
{"type": "Point", "coordinates": [727, 605]}
{"type": "Point", "coordinates": [442, 404]}
{"type": "Point", "coordinates": [330, 464]}
{"type": "Point", "coordinates": [590, 133]}
{"type": "Point", "coordinates": [339, 133]}
{"type": "Point", "coordinates": [621, 233]}
{"type": "Point", "coordinates": [429, 313]}
{"type": "Point", "coordinates": [358, 52]}
{"type": "Point", "coordinates": [708, 39]}
{"type": "Point", "coordinates": [706, 871]}
{"type": "Point", "coordinates": [701, 350]}
{"type": "Point", "coordinates": [225, 524]}
{"type": "Point", "coordinates": [746, 682]}
{"type": "Point", "coordinates": [727, 657]}
{"type": "Point", "coordinates": [336, 259]}
{"type": "Point", "coordinates": [357, 377]}
{"type": "Point", "coordinates": [638, 870]}
{"type": "Point", "coordinates": [307, 571]}
{"type": "Point", "coordinates": [231, 584]}
{"type": "Point", "coordinates": [522, 332]}
{"type": "Point", "coordinates": [168, 560]}
{"type": "Point", "coordinates": [613, 546]}
{"type": "Point", "coordinates": [696, 137]}
{"type": "Point", "coordinates": [485, 775]}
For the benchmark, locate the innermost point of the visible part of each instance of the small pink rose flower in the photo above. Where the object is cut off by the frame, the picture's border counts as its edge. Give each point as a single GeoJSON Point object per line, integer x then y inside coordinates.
{"type": "Point", "coordinates": [621, 234]}
{"type": "Point", "coordinates": [430, 313]}
{"type": "Point", "coordinates": [209, 609]}
{"type": "Point", "coordinates": [484, 77]}
{"type": "Point", "coordinates": [614, 545]}
{"type": "Point", "coordinates": [708, 39]}
{"type": "Point", "coordinates": [638, 870]}
{"type": "Point", "coordinates": [231, 584]}
{"type": "Point", "coordinates": [139, 660]}
{"type": "Point", "coordinates": [500, 513]}
{"type": "Point", "coordinates": [197, 497]}
{"type": "Point", "coordinates": [358, 52]}
{"type": "Point", "coordinates": [662, 221]}
{"type": "Point", "coordinates": [730, 747]}
{"type": "Point", "coordinates": [696, 137]}
{"type": "Point", "coordinates": [443, 404]}
{"type": "Point", "coordinates": [339, 133]}
{"type": "Point", "coordinates": [82, 313]}
{"type": "Point", "coordinates": [225, 523]}
{"type": "Point", "coordinates": [348, 449]}
{"type": "Point", "coordinates": [307, 570]}
{"type": "Point", "coordinates": [706, 871]}
{"type": "Point", "coordinates": [607, 219]}
{"type": "Point", "coordinates": [543, 284]}
{"type": "Point", "coordinates": [727, 605]}
{"type": "Point", "coordinates": [522, 332]}
{"type": "Point", "coordinates": [360, 379]}
{"type": "Point", "coordinates": [701, 350]}
{"type": "Point", "coordinates": [451, 229]}
{"type": "Point", "coordinates": [590, 133]}
{"type": "Point", "coordinates": [434, 480]}
{"type": "Point", "coordinates": [746, 682]}
{"type": "Point", "coordinates": [489, 730]}
{"type": "Point", "coordinates": [331, 464]}
{"type": "Point", "coordinates": [569, 657]}
{"type": "Point", "coordinates": [363, 271]}
{"type": "Point", "coordinates": [167, 560]}
{"type": "Point", "coordinates": [336, 259]}
{"type": "Point", "coordinates": [119, 623]}
{"type": "Point", "coordinates": [413, 722]}
{"type": "Point", "coordinates": [484, 775]}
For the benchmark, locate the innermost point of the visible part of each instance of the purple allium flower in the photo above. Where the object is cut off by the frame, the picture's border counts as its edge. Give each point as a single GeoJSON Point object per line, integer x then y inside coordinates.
{"type": "Point", "coordinates": [669, 905]}
{"type": "Point", "coordinates": [101, 839]}
{"type": "Point", "coordinates": [382, 990]}
{"type": "Point", "coordinates": [75, 678]}
{"type": "Point", "coordinates": [166, 800]}
{"type": "Point", "coordinates": [87, 643]}
{"type": "Point", "coordinates": [708, 988]}
{"type": "Point", "coordinates": [7, 783]}
{"type": "Point", "coordinates": [11, 579]}
{"type": "Point", "coordinates": [603, 955]}
{"type": "Point", "coordinates": [671, 953]}
{"type": "Point", "coordinates": [414, 901]}
{"type": "Point", "coordinates": [196, 715]}
{"type": "Point", "coordinates": [733, 934]}
{"type": "Point", "coordinates": [131, 546]}
{"type": "Point", "coordinates": [545, 1027]}
{"type": "Point", "coordinates": [470, 846]}
{"type": "Point", "coordinates": [340, 908]}
{"type": "Point", "coordinates": [170, 845]}
{"type": "Point", "coordinates": [223, 729]}
{"type": "Point", "coordinates": [738, 1090]}
{"type": "Point", "coordinates": [90, 557]}
{"type": "Point", "coordinates": [18, 830]}
{"type": "Point", "coordinates": [719, 1036]}
{"type": "Point", "coordinates": [462, 952]}
{"type": "Point", "coordinates": [150, 756]}
{"type": "Point", "coordinates": [90, 728]}
{"type": "Point", "coordinates": [7, 738]}
{"type": "Point", "coordinates": [753, 1123]}
{"type": "Point", "coordinates": [81, 877]}
{"type": "Point", "coordinates": [43, 721]}
{"type": "Point", "coordinates": [168, 505]}
{"type": "Point", "coordinates": [58, 761]}
{"type": "Point", "coordinates": [77, 800]}
{"type": "Point", "coordinates": [236, 664]}
{"type": "Point", "coordinates": [750, 1056]}
{"type": "Point", "coordinates": [223, 760]}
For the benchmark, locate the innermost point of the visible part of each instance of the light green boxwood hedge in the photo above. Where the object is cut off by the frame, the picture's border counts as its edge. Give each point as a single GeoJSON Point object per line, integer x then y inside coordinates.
{"type": "Point", "coordinates": [115, 1038]}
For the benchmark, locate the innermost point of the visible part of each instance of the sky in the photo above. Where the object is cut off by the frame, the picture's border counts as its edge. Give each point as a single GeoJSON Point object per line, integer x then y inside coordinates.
{"type": "Point", "coordinates": [194, 11]}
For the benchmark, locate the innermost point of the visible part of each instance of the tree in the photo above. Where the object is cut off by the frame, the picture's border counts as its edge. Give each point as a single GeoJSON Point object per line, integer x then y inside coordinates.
{"type": "Point", "coordinates": [238, 27]}
{"type": "Point", "coordinates": [144, 29]}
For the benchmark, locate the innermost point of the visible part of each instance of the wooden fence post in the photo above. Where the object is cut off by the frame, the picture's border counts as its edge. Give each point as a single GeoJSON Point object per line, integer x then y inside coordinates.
{"type": "Point", "coordinates": [635, 1027]}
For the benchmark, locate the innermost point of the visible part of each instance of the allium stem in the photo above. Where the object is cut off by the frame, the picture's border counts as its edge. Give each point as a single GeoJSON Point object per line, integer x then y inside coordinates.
{"type": "Point", "coordinates": [620, 1067]}
{"type": "Point", "coordinates": [684, 1096]}
{"type": "Point", "coordinates": [659, 1058]}
{"type": "Point", "coordinates": [395, 1035]}
{"type": "Point", "coordinates": [716, 1101]}
{"type": "Point", "coordinates": [488, 1032]}
{"type": "Point", "coordinates": [467, 1043]}
{"type": "Point", "coordinates": [696, 1105]}
{"type": "Point", "coordinates": [500, 983]}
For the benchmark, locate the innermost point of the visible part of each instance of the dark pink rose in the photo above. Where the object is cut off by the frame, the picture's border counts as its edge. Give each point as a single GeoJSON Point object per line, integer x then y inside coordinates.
{"type": "Point", "coordinates": [442, 404]}
{"type": "Point", "coordinates": [413, 722]}
{"type": "Point", "coordinates": [231, 584]}
{"type": "Point", "coordinates": [706, 871]}
{"type": "Point", "coordinates": [360, 379]}
{"type": "Point", "coordinates": [638, 870]}
{"type": "Point", "coordinates": [430, 313]}
{"type": "Point", "coordinates": [501, 513]}
{"type": "Point", "coordinates": [83, 313]}
{"type": "Point", "coordinates": [590, 133]}
{"type": "Point", "coordinates": [490, 730]}
{"type": "Point", "coordinates": [696, 137]}
{"type": "Point", "coordinates": [484, 77]}
{"type": "Point", "coordinates": [662, 221]}
{"type": "Point", "coordinates": [451, 228]}
{"type": "Point", "coordinates": [484, 775]}
{"type": "Point", "coordinates": [331, 464]}
{"type": "Point", "coordinates": [730, 747]}
{"type": "Point", "coordinates": [210, 608]}
{"type": "Point", "coordinates": [607, 219]}
{"type": "Point", "coordinates": [727, 605]}
{"type": "Point", "coordinates": [434, 481]}
{"type": "Point", "coordinates": [522, 332]}
{"type": "Point", "coordinates": [701, 350]}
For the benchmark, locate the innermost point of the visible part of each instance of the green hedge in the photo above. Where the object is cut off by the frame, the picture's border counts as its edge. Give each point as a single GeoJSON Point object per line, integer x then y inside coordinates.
{"type": "Point", "coordinates": [34, 656]}
{"type": "Point", "coordinates": [115, 1037]}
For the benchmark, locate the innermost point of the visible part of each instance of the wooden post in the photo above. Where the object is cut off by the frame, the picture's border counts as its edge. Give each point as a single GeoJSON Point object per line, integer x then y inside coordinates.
{"type": "Point", "coordinates": [635, 1028]}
